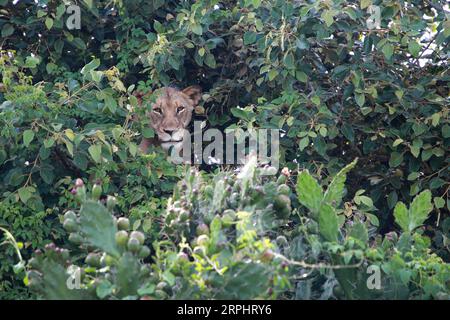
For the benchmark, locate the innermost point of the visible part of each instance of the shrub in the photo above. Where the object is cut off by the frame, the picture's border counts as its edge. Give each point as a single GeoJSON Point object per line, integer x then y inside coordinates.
{"type": "Point", "coordinates": [337, 89]}
{"type": "Point", "coordinates": [232, 241]}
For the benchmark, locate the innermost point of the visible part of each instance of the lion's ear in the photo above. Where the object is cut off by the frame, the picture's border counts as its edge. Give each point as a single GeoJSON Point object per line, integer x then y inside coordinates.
{"type": "Point", "coordinates": [193, 92]}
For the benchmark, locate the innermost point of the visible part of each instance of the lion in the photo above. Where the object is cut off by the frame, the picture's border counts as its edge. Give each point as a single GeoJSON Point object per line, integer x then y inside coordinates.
{"type": "Point", "coordinates": [170, 115]}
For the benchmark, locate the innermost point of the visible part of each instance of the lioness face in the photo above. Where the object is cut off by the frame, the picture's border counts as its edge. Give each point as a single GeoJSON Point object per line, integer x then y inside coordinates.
{"type": "Point", "coordinates": [171, 113]}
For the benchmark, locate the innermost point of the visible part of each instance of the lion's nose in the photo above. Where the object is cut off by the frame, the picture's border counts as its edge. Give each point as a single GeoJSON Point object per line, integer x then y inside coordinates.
{"type": "Point", "coordinates": [169, 131]}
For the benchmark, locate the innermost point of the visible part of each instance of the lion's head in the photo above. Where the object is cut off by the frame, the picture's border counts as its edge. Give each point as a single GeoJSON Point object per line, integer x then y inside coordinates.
{"type": "Point", "coordinates": [171, 113]}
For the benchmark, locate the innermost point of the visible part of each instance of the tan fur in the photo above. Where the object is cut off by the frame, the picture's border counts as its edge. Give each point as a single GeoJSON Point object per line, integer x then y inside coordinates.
{"type": "Point", "coordinates": [170, 114]}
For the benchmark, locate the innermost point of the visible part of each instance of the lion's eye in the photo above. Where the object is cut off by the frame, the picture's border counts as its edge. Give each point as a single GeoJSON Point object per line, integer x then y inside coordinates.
{"type": "Point", "coordinates": [180, 109]}
{"type": "Point", "coordinates": [157, 110]}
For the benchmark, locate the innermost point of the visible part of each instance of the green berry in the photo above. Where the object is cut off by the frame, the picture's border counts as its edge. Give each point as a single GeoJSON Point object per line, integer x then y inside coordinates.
{"type": "Point", "coordinates": [227, 220]}
{"type": "Point", "coordinates": [75, 238]}
{"type": "Point", "coordinates": [281, 241]}
{"type": "Point", "coordinates": [93, 260]}
{"type": "Point", "coordinates": [202, 229]}
{"type": "Point", "coordinates": [144, 252]}
{"type": "Point", "coordinates": [281, 179]}
{"type": "Point", "coordinates": [81, 194]}
{"type": "Point", "coordinates": [199, 250]}
{"type": "Point", "coordinates": [183, 256]}
{"type": "Point", "coordinates": [106, 260]}
{"type": "Point", "coordinates": [139, 236]}
{"type": "Point", "coordinates": [283, 189]}
{"type": "Point", "coordinates": [134, 245]}
{"type": "Point", "coordinates": [70, 215]}
{"type": "Point", "coordinates": [123, 224]}
{"type": "Point", "coordinates": [121, 238]}
{"type": "Point", "coordinates": [96, 191]}
{"type": "Point", "coordinates": [282, 201]}
{"type": "Point", "coordinates": [209, 191]}
{"type": "Point", "coordinates": [202, 240]}
{"type": "Point", "coordinates": [65, 254]}
{"type": "Point", "coordinates": [111, 202]}
{"type": "Point", "coordinates": [70, 225]}
{"type": "Point", "coordinates": [267, 256]}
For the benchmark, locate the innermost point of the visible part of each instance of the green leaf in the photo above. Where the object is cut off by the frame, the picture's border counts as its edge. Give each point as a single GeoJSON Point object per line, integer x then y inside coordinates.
{"type": "Point", "coordinates": [335, 190]}
{"type": "Point", "coordinates": [197, 29]}
{"type": "Point", "coordinates": [47, 173]}
{"type": "Point", "coordinates": [147, 289]}
{"type": "Point", "coordinates": [104, 289]}
{"type": "Point", "coordinates": [249, 37]}
{"type": "Point", "coordinates": [309, 192]}
{"type": "Point", "coordinates": [60, 10]}
{"type": "Point", "coordinates": [158, 27]}
{"type": "Point", "coordinates": [420, 208]}
{"type": "Point", "coordinates": [132, 147]}
{"type": "Point", "coordinates": [128, 275]}
{"type": "Point", "coordinates": [360, 99]}
{"type": "Point", "coordinates": [436, 183]}
{"type": "Point", "coordinates": [95, 151]}
{"type": "Point", "coordinates": [94, 64]}
{"type": "Point", "coordinates": [55, 281]}
{"type": "Point", "coordinates": [79, 43]}
{"type": "Point", "coordinates": [96, 75]}
{"type": "Point", "coordinates": [365, 3]}
{"type": "Point", "coordinates": [49, 23]}
{"type": "Point", "coordinates": [289, 61]}
{"type": "Point", "coordinates": [397, 142]}
{"type": "Point", "coordinates": [235, 282]}
{"type": "Point", "coordinates": [413, 176]}
{"type": "Point", "coordinates": [169, 277]}
{"type": "Point", "coordinates": [414, 48]}
{"type": "Point", "coordinates": [148, 133]}
{"type": "Point", "coordinates": [405, 275]}
{"type": "Point", "coordinates": [7, 30]}
{"type": "Point", "coordinates": [41, 13]}
{"type": "Point", "coordinates": [439, 202]}
{"type": "Point", "coordinates": [401, 215]}
{"type": "Point", "coordinates": [435, 118]}
{"type": "Point", "coordinates": [328, 17]}
{"type": "Point", "coordinates": [28, 136]}
{"type": "Point", "coordinates": [98, 228]}
{"type": "Point", "coordinates": [69, 134]}
{"type": "Point", "coordinates": [446, 131]}
{"type": "Point", "coordinates": [415, 151]}
{"type": "Point", "coordinates": [210, 61]}
{"type": "Point", "coordinates": [316, 100]}
{"type": "Point", "coordinates": [392, 199]}
{"type": "Point", "coordinates": [301, 76]}
{"type": "Point", "coordinates": [32, 62]}
{"type": "Point", "coordinates": [396, 159]}
{"type": "Point", "coordinates": [69, 146]}
{"type": "Point", "coordinates": [328, 223]}
{"type": "Point", "coordinates": [273, 74]}
{"type": "Point", "coordinates": [25, 193]}
{"type": "Point", "coordinates": [366, 200]}
{"type": "Point", "coordinates": [303, 143]}
{"type": "Point", "coordinates": [348, 132]}
{"type": "Point", "coordinates": [388, 50]}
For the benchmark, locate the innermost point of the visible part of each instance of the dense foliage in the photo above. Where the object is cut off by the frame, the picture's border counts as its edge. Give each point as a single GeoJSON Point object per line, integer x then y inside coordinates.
{"type": "Point", "coordinates": [337, 88]}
